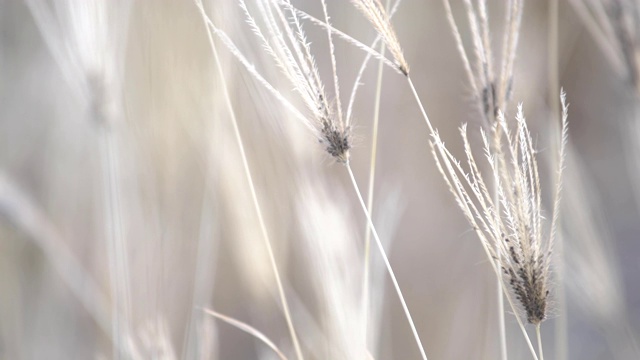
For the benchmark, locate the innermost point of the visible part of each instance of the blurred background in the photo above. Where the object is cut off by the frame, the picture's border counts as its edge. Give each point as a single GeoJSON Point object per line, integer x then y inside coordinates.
{"type": "Point", "coordinates": [118, 160]}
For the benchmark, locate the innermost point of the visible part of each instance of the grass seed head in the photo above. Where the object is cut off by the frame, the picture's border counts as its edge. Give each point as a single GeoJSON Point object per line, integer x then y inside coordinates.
{"type": "Point", "coordinates": [379, 18]}
{"type": "Point", "coordinates": [509, 220]}
{"type": "Point", "coordinates": [337, 142]}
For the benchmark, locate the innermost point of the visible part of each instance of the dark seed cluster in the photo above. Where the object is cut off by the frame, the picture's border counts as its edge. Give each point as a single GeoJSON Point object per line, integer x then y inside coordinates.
{"type": "Point", "coordinates": [337, 142]}
{"type": "Point", "coordinates": [527, 278]}
{"type": "Point", "coordinates": [489, 100]}
{"type": "Point", "coordinates": [403, 69]}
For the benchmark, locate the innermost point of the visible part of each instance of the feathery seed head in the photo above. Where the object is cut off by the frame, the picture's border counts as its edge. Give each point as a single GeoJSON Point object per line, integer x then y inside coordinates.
{"type": "Point", "coordinates": [509, 223]}
{"type": "Point", "coordinates": [379, 18]}
{"type": "Point", "coordinates": [286, 43]}
{"type": "Point", "coordinates": [491, 85]}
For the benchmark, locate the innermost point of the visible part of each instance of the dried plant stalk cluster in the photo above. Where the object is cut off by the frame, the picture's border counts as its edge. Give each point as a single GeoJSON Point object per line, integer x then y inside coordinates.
{"type": "Point", "coordinates": [509, 220]}
{"type": "Point", "coordinates": [510, 229]}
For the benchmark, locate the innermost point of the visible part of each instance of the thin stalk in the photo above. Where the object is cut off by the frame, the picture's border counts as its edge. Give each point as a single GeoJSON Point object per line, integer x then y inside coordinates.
{"type": "Point", "coordinates": [539, 342]}
{"type": "Point", "coordinates": [494, 266]}
{"type": "Point", "coordinates": [372, 174]}
{"type": "Point", "coordinates": [422, 110]}
{"type": "Point", "coordinates": [386, 262]}
{"type": "Point", "coordinates": [254, 197]}
{"type": "Point", "coordinates": [116, 247]}
{"type": "Point", "coordinates": [248, 329]}
{"type": "Point", "coordinates": [496, 200]}
{"type": "Point", "coordinates": [501, 319]}
{"type": "Point", "coordinates": [203, 272]}
{"type": "Point", "coordinates": [561, 325]}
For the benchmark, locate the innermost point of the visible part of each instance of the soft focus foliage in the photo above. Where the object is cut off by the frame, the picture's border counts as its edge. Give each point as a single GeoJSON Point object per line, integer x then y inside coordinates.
{"type": "Point", "coordinates": [125, 210]}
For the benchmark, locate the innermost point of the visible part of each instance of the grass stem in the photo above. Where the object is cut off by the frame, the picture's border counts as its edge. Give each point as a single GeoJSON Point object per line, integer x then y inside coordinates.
{"type": "Point", "coordinates": [500, 297]}
{"type": "Point", "coordinates": [561, 324]}
{"type": "Point", "coordinates": [254, 197]}
{"type": "Point", "coordinates": [422, 110]}
{"type": "Point", "coordinates": [372, 174]}
{"type": "Point", "coordinates": [386, 262]}
{"type": "Point", "coordinates": [539, 342]}
{"type": "Point", "coordinates": [116, 247]}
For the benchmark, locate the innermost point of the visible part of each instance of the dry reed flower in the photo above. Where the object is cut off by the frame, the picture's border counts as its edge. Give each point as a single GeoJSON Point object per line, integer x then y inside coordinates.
{"type": "Point", "coordinates": [379, 18]}
{"type": "Point", "coordinates": [287, 44]}
{"type": "Point", "coordinates": [491, 92]}
{"type": "Point", "coordinates": [511, 229]}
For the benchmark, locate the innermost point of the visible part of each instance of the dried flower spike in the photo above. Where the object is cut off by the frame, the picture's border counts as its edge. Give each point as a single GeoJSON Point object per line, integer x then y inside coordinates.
{"type": "Point", "coordinates": [511, 230]}
{"type": "Point", "coordinates": [283, 38]}
{"type": "Point", "coordinates": [491, 85]}
{"type": "Point", "coordinates": [377, 15]}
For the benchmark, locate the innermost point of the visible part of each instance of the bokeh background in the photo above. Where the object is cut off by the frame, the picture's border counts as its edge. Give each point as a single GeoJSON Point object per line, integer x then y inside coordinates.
{"type": "Point", "coordinates": [165, 160]}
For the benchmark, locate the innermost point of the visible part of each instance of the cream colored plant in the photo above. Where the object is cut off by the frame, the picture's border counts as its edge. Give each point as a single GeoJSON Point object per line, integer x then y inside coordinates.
{"type": "Point", "coordinates": [514, 232]}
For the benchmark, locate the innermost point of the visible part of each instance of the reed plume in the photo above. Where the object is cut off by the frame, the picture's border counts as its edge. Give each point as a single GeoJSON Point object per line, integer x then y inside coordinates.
{"type": "Point", "coordinates": [376, 13]}
{"type": "Point", "coordinates": [491, 86]}
{"type": "Point", "coordinates": [511, 229]}
{"type": "Point", "coordinates": [289, 48]}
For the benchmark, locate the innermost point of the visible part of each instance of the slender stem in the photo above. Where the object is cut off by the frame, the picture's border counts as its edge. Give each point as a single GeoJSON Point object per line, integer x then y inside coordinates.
{"type": "Point", "coordinates": [539, 342]}
{"type": "Point", "coordinates": [265, 235]}
{"type": "Point", "coordinates": [254, 197]}
{"type": "Point", "coordinates": [501, 319]}
{"type": "Point", "coordinates": [424, 112]}
{"type": "Point", "coordinates": [386, 262]}
{"type": "Point", "coordinates": [204, 271]}
{"type": "Point", "coordinates": [372, 174]}
{"type": "Point", "coordinates": [496, 200]}
{"type": "Point", "coordinates": [248, 329]}
{"type": "Point", "coordinates": [116, 247]}
{"type": "Point", "coordinates": [561, 325]}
